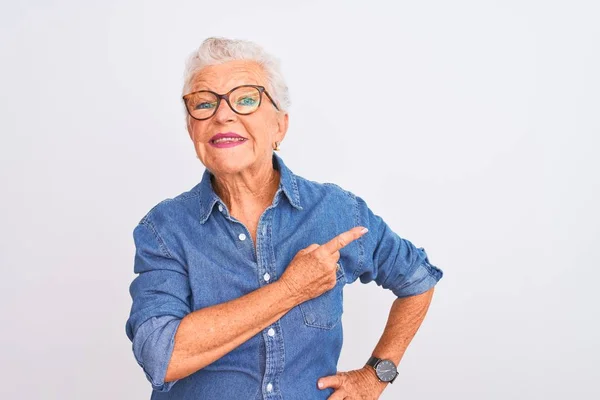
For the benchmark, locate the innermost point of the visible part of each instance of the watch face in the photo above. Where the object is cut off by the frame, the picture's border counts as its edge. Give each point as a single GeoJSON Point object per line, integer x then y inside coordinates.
{"type": "Point", "coordinates": [386, 370]}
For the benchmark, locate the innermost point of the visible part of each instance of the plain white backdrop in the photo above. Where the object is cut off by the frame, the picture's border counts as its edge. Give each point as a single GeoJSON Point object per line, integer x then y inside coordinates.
{"type": "Point", "coordinates": [471, 127]}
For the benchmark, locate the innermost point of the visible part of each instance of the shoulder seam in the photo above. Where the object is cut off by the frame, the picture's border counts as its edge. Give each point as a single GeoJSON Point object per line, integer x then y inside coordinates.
{"type": "Point", "coordinates": [361, 246]}
{"type": "Point", "coordinates": [180, 197]}
{"type": "Point", "coordinates": [360, 241]}
{"type": "Point", "coordinates": [161, 243]}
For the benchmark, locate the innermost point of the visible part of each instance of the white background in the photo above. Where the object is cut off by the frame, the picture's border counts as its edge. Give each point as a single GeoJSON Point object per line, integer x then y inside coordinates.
{"type": "Point", "coordinates": [471, 127]}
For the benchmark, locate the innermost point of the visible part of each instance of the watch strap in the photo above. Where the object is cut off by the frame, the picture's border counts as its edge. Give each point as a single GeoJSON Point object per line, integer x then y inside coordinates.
{"type": "Point", "coordinates": [373, 361]}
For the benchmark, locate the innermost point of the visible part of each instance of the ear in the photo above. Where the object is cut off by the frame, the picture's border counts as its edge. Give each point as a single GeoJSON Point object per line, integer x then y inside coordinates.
{"type": "Point", "coordinates": [283, 120]}
{"type": "Point", "coordinates": [188, 124]}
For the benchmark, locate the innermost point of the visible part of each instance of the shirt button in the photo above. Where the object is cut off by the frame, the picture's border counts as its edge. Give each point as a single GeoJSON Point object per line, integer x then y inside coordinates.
{"type": "Point", "coordinates": [220, 208]}
{"type": "Point", "coordinates": [267, 277]}
{"type": "Point", "coordinates": [242, 236]}
{"type": "Point", "coordinates": [271, 332]}
{"type": "Point", "coordinates": [269, 387]}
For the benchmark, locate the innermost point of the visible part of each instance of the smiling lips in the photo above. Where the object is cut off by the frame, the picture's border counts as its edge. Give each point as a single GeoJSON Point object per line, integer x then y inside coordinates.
{"type": "Point", "coordinates": [228, 139]}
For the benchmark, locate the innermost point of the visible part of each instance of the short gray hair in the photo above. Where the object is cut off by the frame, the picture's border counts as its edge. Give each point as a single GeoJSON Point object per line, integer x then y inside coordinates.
{"type": "Point", "coordinates": [219, 50]}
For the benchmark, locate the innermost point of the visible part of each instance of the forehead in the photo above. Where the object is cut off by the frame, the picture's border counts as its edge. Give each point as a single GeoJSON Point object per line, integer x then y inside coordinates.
{"type": "Point", "coordinates": [223, 77]}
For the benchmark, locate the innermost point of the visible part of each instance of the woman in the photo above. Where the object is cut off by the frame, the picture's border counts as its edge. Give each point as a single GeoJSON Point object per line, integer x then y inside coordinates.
{"type": "Point", "coordinates": [239, 292]}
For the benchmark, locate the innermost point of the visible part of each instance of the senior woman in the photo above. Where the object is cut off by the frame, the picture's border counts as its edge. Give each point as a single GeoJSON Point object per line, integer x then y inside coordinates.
{"type": "Point", "coordinates": [240, 279]}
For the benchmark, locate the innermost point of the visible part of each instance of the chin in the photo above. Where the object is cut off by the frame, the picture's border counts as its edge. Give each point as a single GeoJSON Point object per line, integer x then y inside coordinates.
{"type": "Point", "coordinates": [231, 164]}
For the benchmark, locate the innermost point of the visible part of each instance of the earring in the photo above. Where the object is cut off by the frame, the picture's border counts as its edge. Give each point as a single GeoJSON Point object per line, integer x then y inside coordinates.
{"type": "Point", "coordinates": [276, 146]}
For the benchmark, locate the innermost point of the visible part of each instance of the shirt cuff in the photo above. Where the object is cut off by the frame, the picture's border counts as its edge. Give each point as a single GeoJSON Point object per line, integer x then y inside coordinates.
{"type": "Point", "coordinates": [423, 278]}
{"type": "Point", "coordinates": [153, 346]}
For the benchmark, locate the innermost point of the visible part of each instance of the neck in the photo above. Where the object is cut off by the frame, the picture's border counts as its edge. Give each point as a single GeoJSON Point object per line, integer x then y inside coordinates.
{"type": "Point", "coordinates": [249, 190]}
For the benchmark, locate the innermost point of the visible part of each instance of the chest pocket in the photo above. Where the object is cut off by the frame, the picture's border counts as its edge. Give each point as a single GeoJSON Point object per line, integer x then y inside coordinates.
{"type": "Point", "coordinates": [325, 311]}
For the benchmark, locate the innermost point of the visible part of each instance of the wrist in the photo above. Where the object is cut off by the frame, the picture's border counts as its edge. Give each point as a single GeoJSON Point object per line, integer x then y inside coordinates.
{"type": "Point", "coordinates": [384, 369]}
{"type": "Point", "coordinates": [372, 376]}
{"type": "Point", "coordinates": [289, 296]}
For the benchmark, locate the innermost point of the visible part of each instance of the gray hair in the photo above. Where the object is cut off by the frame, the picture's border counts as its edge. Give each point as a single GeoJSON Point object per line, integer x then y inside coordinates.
{"type": "Point", "coordinates": [219, 50]}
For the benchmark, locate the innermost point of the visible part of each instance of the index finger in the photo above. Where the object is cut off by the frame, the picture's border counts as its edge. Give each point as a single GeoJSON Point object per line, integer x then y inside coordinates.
{"type": "Point", "coordinates": [343, 239]}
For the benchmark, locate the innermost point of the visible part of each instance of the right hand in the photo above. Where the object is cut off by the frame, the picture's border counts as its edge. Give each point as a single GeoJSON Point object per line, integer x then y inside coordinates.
{"type": "Point", "coordinates": [312, 271]}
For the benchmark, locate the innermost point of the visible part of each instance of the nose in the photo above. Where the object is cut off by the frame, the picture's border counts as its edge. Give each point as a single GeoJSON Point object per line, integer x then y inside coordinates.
{"type": "Point", "coordinates": [224, 113]}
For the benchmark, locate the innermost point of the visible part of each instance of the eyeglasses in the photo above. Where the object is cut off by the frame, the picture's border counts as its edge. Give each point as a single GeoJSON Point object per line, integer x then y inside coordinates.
{"type": "Point", "coordinates": [242, 100]}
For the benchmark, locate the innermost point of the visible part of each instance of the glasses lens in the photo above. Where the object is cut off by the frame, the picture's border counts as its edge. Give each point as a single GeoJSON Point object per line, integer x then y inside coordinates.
{"type": "Point", "coordinates": [201, 104]}
{"type": "Point", "coordinates": [245, 99]}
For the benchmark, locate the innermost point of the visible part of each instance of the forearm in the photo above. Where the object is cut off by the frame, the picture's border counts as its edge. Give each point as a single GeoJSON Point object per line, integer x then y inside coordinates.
{"type": "Point", "coordinates": [405, 318]}
{"type": "Point", "coordinates": [206, 335]}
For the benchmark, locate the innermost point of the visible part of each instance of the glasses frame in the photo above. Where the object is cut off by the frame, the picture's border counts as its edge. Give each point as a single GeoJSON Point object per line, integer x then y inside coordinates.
{"type": "Point", "coordinates": [225, 96]}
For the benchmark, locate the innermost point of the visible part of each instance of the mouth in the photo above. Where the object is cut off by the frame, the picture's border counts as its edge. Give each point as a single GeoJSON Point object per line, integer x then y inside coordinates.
{"type": "Point", "coordinates": [229, 137]}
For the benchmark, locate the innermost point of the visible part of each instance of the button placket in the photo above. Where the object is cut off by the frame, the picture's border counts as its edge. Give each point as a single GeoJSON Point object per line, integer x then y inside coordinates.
{"type": "Point", "coordinates": [264, 265]}
{"type": "Point", "coordinates": [273, 342]}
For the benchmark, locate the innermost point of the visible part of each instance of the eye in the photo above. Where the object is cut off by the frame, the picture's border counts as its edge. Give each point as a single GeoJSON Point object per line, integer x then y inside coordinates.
{"type": "Point", "coordinates": [247, 101]}
{"type": "Point", "coordinates": [205, 105]}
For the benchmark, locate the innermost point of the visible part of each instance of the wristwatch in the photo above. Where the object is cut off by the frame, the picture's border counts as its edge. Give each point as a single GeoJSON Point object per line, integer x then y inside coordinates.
{"type": "Point", "coordinates": [385, 369]}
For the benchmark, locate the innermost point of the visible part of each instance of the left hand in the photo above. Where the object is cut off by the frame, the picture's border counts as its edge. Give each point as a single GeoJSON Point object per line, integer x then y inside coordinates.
{"type": "Point", "coordinates": [357, 384]}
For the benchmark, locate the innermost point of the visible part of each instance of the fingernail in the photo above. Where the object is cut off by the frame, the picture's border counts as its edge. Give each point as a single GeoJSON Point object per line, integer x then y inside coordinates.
{"type": "Point", "coordinates": [320, 385]}
{"type": "Point", "coordinates": [364, 230]}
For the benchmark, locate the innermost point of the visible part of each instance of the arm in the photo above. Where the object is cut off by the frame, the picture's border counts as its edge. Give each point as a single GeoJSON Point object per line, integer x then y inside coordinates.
{"type": "Point", "coordinates": [395, 264]}
{"type": "Point", "coordinates": [208, 334]}
{"type": "Point", "coordinates": [169, 340]}
{"type": "Point", "coordinates": [404, 320]}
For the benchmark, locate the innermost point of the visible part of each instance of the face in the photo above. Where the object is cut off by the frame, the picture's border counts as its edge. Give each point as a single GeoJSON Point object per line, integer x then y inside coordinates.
{"type": "Point", "coordinates": [261, 129]}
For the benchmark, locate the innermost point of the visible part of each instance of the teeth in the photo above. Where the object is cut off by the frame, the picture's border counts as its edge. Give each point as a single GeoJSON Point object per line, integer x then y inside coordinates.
{"type": "Point", "coordinates": [229, 139]}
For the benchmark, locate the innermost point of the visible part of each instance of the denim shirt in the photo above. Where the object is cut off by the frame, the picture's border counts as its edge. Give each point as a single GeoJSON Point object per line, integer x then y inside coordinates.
{"type": "Point", "coordinates": [191, 253]}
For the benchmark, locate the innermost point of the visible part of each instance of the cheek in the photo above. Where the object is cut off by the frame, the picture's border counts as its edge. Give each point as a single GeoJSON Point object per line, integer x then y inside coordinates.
{"type": "Point", "coordinates": [262, 129]}
{"type": "Point", "coordinates": [195, 130]}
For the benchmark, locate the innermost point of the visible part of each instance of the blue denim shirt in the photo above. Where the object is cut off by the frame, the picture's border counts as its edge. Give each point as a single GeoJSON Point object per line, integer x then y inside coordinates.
{"type": "Point", "coordinates": [191, 253]}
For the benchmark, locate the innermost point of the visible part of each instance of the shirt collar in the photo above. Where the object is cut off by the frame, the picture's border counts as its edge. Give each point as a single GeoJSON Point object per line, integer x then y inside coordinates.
{"type": "Point", "coordinates": [287, 184]}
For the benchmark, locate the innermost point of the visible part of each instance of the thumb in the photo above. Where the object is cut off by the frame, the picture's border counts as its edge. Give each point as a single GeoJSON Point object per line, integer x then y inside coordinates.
{"type": "Point", "coordinates": [333, 381]}
{"type": "Point", "coordinates": [308, 249]}
{"type": "Point", "coordinates": [311, 247]}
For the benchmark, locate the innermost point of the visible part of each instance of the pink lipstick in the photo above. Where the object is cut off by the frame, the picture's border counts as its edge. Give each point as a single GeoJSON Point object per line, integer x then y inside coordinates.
{"type": "Point", "coordinates": [228, 139]}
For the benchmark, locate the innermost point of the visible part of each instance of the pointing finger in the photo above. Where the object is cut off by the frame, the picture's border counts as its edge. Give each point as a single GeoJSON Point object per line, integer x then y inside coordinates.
{"type": "Point", "coordinates": [343, 239]}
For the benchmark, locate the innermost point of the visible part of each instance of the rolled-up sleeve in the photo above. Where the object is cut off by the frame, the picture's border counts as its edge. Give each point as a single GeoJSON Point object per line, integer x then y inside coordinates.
{"type": "Point", "coordinates": [161, 298]}
{"type": "Point", "coordinates": [392, 262]}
